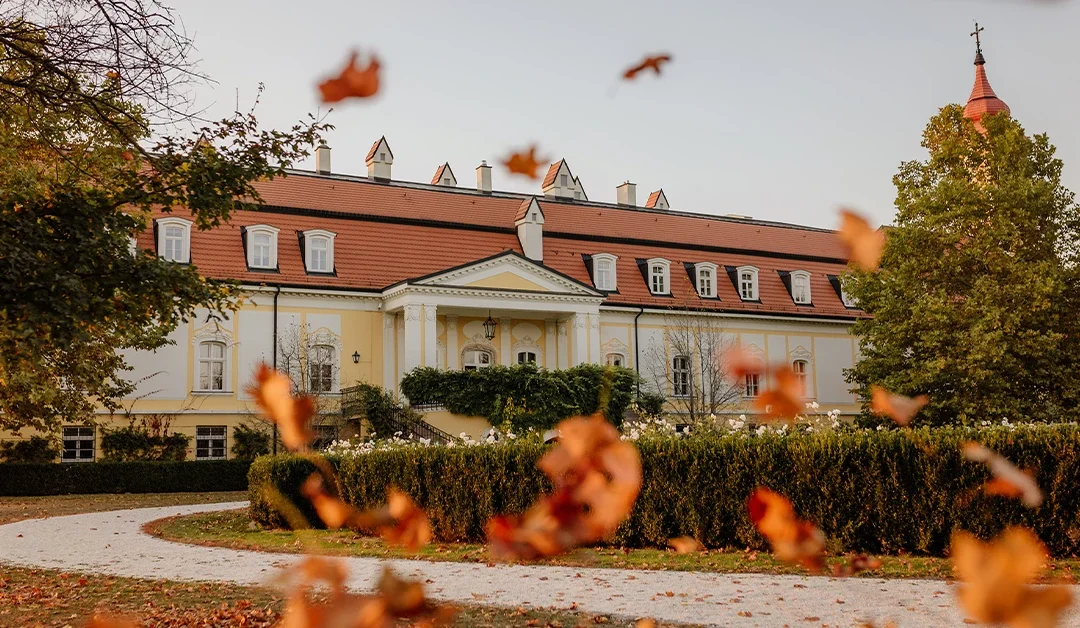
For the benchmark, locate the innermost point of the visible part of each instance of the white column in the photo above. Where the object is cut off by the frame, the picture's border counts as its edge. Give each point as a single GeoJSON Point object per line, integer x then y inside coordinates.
{"type": "Point", "coordinates": [550, 355]}
{"type": "Point", "coordinates": [431, 337]}
{"type": "Point", "coordinates": [594, 338]}
{"type": "Point", "coordinates": [506, 358]}
{"type": "Point", "coordinates": [453, 356]}
{"type": "Point", "coordinates": [580, 349]}
{"type": "Point", "coordinates": [564, 356]}
{"type": "Point", "coordinates": [412, 338]}
{"type": "Point", "coordinates": [388, 350]}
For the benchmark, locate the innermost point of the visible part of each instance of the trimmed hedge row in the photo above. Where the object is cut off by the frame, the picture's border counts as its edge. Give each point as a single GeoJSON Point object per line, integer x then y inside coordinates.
{"type": "Point", "coordinates": [883, 492]}
{"type": "Point", "coordinates": [26, 480]}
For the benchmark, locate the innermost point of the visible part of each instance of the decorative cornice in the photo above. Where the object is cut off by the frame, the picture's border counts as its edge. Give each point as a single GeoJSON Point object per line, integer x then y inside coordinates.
{"type": "Point", "coordinates": [465, 291]}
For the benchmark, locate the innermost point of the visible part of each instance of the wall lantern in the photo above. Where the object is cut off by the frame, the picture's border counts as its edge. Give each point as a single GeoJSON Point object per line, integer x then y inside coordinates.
{"type": "Point", "coordinates": [355, 357]}
{"type": "Point", "coordinates": [489, 327]}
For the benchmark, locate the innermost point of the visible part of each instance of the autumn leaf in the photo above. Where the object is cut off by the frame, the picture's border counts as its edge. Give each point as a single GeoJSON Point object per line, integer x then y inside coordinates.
{"type": "Point", "coordinates": [899, 408]}
{"type": "Point", "coordinates": [525, 164]}
{"type": "Point", "coordinates": [110, 621]}
{"type": "Point", "coordinates": [648, 63]}
{"type": "Point", "coordinates": [738, 362]}
{"type": "Point", "coordinates": [784, 400]}
{"type": "Point", "coordinates": [997, 577]}
{"type": "Point", "coordinates": [353, 82]}
{"type": "Point", "coordinates": [399, 522]}
{"type": "Point", "coordinates": [685, 545]}
{"type": "Point", "coordinates": [646, 623]}
{"type": "Point", "coordinates": [334, 512]}
{"type": "Point", "coordinates": [273, 394]}
{"type": "Point", "coordinates": [1009, 480]}
{"type": "Point", "coordinates": [864, 244]}
{"type": "Point", "coordinates": [792, 539]}
{"type": "Point", "coordinates": [856, 564]}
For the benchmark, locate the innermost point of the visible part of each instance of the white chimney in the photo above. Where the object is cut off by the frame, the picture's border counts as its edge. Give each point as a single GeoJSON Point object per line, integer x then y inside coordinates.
{"type": "Point", "coordinates": [627, 194]}
{"type": "Point", "coordinates": [379, 160]}
{"type": "Point", "coordinates": [530, 229]}
{"type": "Point", "coordinates": [483, 177]}
{"type": "Point", "coordinates": [322, 158]}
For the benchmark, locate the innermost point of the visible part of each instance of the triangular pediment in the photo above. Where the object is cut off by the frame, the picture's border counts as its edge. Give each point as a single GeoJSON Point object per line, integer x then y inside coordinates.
{"type": "Point", "coordinates": [508, 271]}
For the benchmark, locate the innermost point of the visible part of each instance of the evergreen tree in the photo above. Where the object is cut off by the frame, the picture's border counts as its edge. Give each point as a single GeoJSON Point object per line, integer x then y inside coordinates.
{"type": "Point", "coordinates": [976, 300]}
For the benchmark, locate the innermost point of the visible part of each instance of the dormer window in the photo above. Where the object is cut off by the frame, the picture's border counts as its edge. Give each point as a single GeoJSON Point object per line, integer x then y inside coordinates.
{"type": "Point", "coordinates": [748, 283]}
{"type": "Point", "coordinates": [800, 287]}
{"type": "Point", "coordinates": [845, 296]}
{"type": "Point", "coordinates": [659, 278]}
{"type": "Point", "coordinates": [319, 251]}
{"type": "Point", "coordinates": [706, 279]}
{"type": "Point", "coordinates": [174, 239]}
{"type": "Point", "coordinates": [262, 246]}
{"type": "Point", "coordinates": [604, 272]}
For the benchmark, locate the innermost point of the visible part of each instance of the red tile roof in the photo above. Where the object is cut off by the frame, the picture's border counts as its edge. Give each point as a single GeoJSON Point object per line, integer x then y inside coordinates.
{"type": "Point", "coordinates": [982, 101]}
{"type": "Point", "coordinates": [375, 146]}
{"type": "Point", "coordinates": [552, 171]}
{"type": "Point", "coordinates": [390, 232]}
{"type": "Point", "coordinates": [524, 209]}
{"type": "Point", "coordinates": [655, 196]}
{"type": "Point", "coordinates": [435, 180]}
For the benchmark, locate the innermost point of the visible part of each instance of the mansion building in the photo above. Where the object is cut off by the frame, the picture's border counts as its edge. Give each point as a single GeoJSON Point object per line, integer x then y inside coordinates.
{"type": "Point", "coordinates": [364, 278]}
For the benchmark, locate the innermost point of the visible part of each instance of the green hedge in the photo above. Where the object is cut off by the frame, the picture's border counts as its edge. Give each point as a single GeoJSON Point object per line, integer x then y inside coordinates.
{"type": "Point", "coordinates": [883, 492]}
{"type": "Point", "coordinates": [546, 396]}
{"type": "Point", "coordinates": [24, 480]}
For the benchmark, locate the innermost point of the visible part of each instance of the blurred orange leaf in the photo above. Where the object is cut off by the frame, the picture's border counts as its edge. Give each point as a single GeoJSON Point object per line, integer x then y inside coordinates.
{"type": "Point", "coordinates": [864, 243]}
{"type": "Point", "coordinates": [399, 522]}
{"type": "Point", "coordinates": [738, 362]}
{"type": "Point", "coordinates": [784, 400]}
{"type": "Point", "coordinates": [856, 564]}
{"type": "Point", "coordinates": [899, 408]}
{"type": "Point", "coordinates": [273, 394]}
{"type": "Point", "coordinates": [1009, 480]}
{"type": "Point", "coordinates": [997, 577]}
{"type": "Point", "coordinates": [525, 163]}
{"type": "Point", "coordinates": [353, 82]}
{"type": "Point", "coordinates": [110, 621]}
{"type": "Point", "coordinates": [685, 545]}
{"type": "Point", "coordinates": [648, 63]}
{"type": "Point", "coordinates": [792, 539]}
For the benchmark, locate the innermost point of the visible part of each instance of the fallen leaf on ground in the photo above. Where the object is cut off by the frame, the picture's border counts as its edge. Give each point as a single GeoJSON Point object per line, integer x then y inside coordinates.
{"type": "Point", "coordinates": [1009, 480]}
{"type": "Point", "coordinates": [997, 577]}
{"type": "Point", "coordinates": [899, 408]}
{"type": "Point", "coordinates": [353, 82]}
{"type": "Point", "coordinates": [792, 539]}
{"type": "Point", "coordinates": [864, 244]}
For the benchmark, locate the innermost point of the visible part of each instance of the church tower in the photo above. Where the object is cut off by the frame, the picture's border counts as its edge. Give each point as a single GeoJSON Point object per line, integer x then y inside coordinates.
{"type": "Point", "coordinates": [983, 101]}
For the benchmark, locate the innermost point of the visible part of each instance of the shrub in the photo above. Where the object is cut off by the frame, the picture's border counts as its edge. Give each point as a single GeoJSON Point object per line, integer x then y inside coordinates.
{"type": "Point", "coordinates": [24, 480]}
{"type": "Point", "coordinates": [250, 442]}
{"type": "Point", "coordinates": [523, 395]}
{"type": "Point", "coordinates": [36, 449]}
{"type": "Point", "coordinates": [873, 491]}
{"type": "Point", "coordinates": [149, 440]}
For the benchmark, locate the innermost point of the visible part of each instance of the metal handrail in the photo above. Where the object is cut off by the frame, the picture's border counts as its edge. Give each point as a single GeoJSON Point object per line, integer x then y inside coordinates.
{"type": "Point", "coordinates": [417, 429]}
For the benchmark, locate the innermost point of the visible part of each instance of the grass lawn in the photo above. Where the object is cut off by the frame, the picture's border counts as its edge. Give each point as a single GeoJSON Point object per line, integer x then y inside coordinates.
{"type": "Point", "coordinates": [52, 598]}
{"type": "Point", "coordinates": [234, 529]}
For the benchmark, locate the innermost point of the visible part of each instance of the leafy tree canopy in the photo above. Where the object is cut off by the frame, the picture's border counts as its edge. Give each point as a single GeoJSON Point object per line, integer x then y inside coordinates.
{"type": "Point", "coordinates": [976, 299]}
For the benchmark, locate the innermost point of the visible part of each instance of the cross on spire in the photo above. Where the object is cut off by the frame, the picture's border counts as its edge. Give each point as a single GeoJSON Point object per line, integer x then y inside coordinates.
{"type": "Point", "coordinates": [978, 44]}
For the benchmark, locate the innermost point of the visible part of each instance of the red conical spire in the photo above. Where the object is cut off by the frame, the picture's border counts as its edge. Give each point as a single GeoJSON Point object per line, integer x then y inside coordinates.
{"type": "Point", "coordinates": [983, 101]}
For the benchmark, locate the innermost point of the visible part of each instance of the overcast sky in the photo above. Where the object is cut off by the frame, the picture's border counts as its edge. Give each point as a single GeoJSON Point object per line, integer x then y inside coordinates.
{"type": "Point", "coordinates": [779, 109]}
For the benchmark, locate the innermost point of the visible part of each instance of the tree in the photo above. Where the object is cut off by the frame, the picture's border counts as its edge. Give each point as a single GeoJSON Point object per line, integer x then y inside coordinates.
{"type": "Point", "coordinates": [310, 359]}
{"type": "Point", "coordinates": [80, 175]}
{"type": "Point", "coordinates": [975, 302]}
{"type": "Point", "coordinates": [689, 365]}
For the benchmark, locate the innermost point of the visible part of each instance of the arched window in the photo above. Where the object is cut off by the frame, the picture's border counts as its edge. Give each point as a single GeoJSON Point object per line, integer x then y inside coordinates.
{"type": "Point", "coordinates": [615, 359]}
{"type": "Point", "coordinates": [174, 239]}
{"type": "Point", "coordinates": [706, 279]}
{"type": "Point", "coordinates": [801, 368]}
{"type": "Point", "coordinates": [800, 287]}
{"type": "Point", "coordinates": [752, 386]}
{"type": "Point", "coordinates": [748, 283]}
{"type": "Point", "coordinates": [526, 357]}
{"type": "Point", "coordinates": [212, 365]}
{"type": "Point", "coordinates": [472, 359]}
{"type": "Point", "coordinates": [659, 280]}
{"type": "Point", "coordinates": [319, 251]}
{"type": "Point", "coordinates": [262, 246]}
{"type": "Point", "coordinates": [604, 272]}
{"type": "Point", "coordinates": [321, 368]}
{"type": "Point", "coordinates": [680, 376]}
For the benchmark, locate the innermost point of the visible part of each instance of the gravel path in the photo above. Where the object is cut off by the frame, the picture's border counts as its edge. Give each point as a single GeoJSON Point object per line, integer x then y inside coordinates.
{"type": "Point", "coordinates": [113, 543]}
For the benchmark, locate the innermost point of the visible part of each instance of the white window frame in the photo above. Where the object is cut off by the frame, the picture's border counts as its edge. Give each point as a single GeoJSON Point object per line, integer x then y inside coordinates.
{"type": "Point", "coordinates": [309, 238]}
{"type": "Point", "coordinates": [470, 358]}
{"type": "Point", "coordinates": [753, 283]}
{"type": "Point", "coordinates": [682, 376]}
{"type": "Point", "coordinates": [527, 352]}
{"type": "Point", "coordinates": [706, 291]}
{"type": "Point", "coordinates": [163, 225]}
{"type": "Point", "coordinates": [611, 358]}
{"type": "Point", "coordinates": [210, 360]}
{"type": "Point", "coordinates": [613, 282]}
{"type": "Point", "coordinates": [83, 442]}
{"type": "Point", "coordinates": [801, 368]}
{"type": "Point", "coordinates": [321, 371]}
{"type": "Point", "coordinates": [752, 385]}
{"type": "Point", "coordinates": [205, 437]}
{"type": "Point", "coordinates": [664, 266]}
{"type": "Point", "coordinates": [797, 276]}
{"type": "Point", "coordinates": [272, 233]}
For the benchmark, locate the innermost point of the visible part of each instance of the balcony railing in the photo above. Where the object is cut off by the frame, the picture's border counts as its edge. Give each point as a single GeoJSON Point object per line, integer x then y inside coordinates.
{"type": "Point", "coordinates": [407, 427]}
